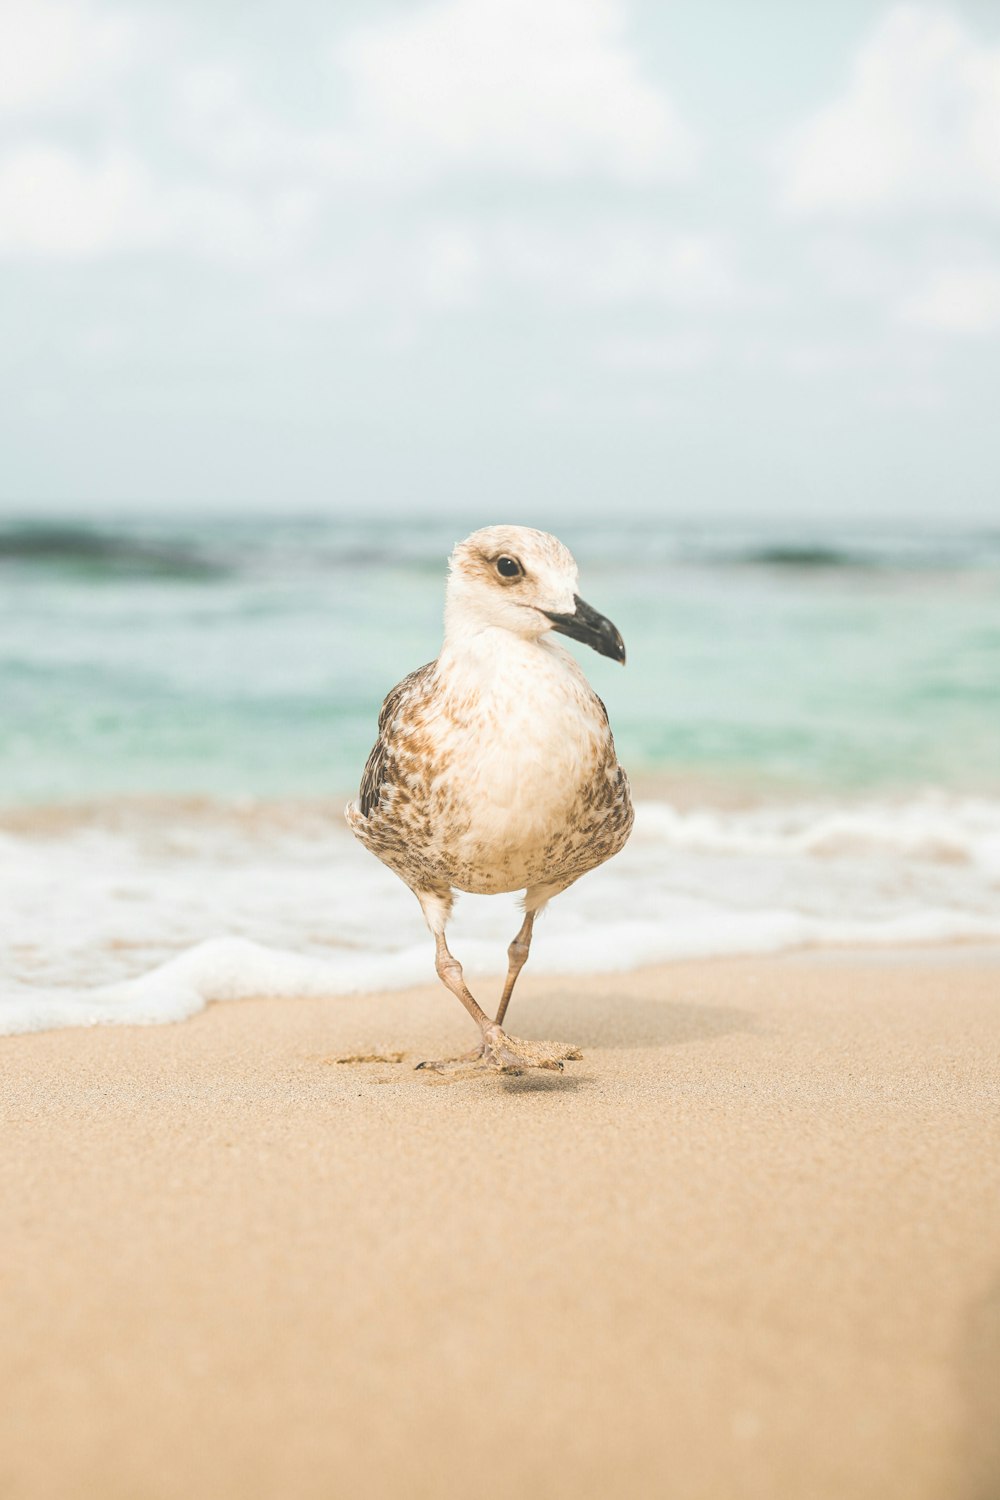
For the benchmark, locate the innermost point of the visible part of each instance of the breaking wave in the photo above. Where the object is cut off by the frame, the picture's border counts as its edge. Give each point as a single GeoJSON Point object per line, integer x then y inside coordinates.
{"type": "Point", "coordinates": [142, 918]}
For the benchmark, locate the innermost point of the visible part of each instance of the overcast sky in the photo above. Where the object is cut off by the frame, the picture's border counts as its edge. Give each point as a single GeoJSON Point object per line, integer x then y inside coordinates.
{"type": "Point", "coordinates": [529, 255]}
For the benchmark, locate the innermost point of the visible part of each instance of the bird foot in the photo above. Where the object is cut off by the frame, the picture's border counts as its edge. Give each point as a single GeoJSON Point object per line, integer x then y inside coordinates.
{"type": "Point", "coordinates": [511, 1054]}
{"type": "Point", "coordinates": [506, 1054]}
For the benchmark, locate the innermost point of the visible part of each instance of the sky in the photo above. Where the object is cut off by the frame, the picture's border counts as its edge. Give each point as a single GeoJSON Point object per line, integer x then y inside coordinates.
{"type": "Point", "coordinates": [583, 257]}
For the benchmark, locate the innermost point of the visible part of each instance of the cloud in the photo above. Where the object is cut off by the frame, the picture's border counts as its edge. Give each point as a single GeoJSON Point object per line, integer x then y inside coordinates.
{"type": "Point", "coordinates": [459, 88]}
{"type": "Point", "coordinates": [449, 264]}
{"type": "Point", "coordinates": [939, 283]}
{"type": "Point", "coordinates": [616, 263]}
{"type": "Point", "coordinates": [957, 300]}
{"type": "Point", "coordinates": [184, 155]}
{"type": "Point", "coordinates": [57, 204]}
{"type": "Point", "coordinates": [55, 54]}
{"type": "Point", "coordinates": [512, 86]}
{"type": "Point", "coordinates": [54, 204]}
{"type": "Point", "coordinates": [918, 127]}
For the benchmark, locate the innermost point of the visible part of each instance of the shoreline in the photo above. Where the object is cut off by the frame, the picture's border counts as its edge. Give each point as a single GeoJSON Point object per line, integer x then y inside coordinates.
{"type": "Point", "coordinates": [228, 964]}
{"type": "Point", "coordinates": [109, 904]}
{"type": "Point", "coordinates": [749, 1245]}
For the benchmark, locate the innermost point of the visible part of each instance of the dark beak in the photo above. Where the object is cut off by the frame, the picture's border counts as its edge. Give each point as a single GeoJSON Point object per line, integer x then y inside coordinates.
{"type": "Point", "coordinates": [586, 625]}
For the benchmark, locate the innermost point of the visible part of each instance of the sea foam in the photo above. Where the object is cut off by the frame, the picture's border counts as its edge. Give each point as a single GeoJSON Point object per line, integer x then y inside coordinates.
{"type": "Point", "coordinates": [146, 916]}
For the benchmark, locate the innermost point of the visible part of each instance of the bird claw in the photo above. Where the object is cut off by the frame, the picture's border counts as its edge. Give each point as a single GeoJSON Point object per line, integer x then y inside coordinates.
{"type": "Point", "coordinates": [511, 1054]}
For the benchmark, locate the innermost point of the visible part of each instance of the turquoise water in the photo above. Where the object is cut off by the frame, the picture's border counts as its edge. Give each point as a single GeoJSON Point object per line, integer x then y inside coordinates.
{"type": "Point", "coordinates": [233, 659]}
{"type": "Point", "coordinates": [811, 719]}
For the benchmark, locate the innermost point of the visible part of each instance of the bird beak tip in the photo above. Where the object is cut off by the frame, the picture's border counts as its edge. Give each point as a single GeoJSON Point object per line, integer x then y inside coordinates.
{"type": "Point", "coordinates": [593, 629]}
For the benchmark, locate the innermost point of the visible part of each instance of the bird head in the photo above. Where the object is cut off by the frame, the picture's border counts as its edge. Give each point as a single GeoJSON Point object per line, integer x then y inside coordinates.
{"type": "Point", "coordinates": [525, 581]}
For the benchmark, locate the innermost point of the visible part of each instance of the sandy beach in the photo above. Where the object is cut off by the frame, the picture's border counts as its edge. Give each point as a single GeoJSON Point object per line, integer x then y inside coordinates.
{"type": "Point", "coordinates": [748, 1246]}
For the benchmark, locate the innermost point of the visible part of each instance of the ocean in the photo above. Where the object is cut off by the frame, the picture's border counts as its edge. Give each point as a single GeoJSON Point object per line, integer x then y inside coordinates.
{"type": "Point", "coordinates": [810, 716]}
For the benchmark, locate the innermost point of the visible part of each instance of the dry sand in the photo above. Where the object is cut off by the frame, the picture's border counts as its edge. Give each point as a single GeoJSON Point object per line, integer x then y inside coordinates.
{"type": "Point", "coordinates": [749, 1246]}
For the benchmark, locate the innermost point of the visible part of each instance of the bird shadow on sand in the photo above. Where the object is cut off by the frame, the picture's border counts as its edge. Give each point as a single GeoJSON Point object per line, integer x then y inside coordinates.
{"type": "Point", "coordinates": [615, 1019]}
{"type": "Point", "coordinates": [532, 1081]}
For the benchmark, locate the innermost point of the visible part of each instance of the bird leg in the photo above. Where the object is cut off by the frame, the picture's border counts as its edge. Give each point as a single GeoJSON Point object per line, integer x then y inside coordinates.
{"type": "Point", "coordinates": [497, 1049]}
{"type": "Point", "coordinates": [517, 957]}
{"type": "Point", "coordinates": [510, 1051]}
{"type": "Point", "coordinates": [450, 973]}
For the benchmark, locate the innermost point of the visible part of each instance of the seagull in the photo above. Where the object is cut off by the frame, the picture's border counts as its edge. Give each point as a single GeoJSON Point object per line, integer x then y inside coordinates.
{"type": "Point", "coordinates": [495, 767]}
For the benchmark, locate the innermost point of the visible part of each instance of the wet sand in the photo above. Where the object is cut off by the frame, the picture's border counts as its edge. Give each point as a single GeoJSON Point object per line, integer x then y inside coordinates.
{"type": "Point", "coordinates": [748, 1246]}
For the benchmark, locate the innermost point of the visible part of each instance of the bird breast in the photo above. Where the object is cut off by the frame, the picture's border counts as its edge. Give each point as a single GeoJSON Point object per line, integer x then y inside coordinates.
{"type": "Point", "coordinates": [518, 744]}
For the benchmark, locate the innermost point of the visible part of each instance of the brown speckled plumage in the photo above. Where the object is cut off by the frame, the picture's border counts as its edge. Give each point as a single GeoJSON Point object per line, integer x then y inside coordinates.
{"type": "Point", "coordinates": [418, 819]}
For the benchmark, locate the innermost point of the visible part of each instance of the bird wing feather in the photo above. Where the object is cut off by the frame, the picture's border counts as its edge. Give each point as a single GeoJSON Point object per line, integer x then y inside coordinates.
{"type": "Point", "coordinates": [374, 775]}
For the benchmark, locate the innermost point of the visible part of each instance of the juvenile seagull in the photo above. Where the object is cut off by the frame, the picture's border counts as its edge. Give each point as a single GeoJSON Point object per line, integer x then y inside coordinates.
{"type": "Point", "coordinates": [495, 767]}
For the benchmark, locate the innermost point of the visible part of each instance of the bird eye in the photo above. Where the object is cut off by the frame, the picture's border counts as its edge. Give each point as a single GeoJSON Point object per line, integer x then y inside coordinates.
{"type": "Point", "coordinates": [509, 567]}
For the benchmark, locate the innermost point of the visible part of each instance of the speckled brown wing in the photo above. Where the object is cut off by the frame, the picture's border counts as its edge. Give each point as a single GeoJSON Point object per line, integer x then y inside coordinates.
{"type": "Point", "coordinates": [374, 774]}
